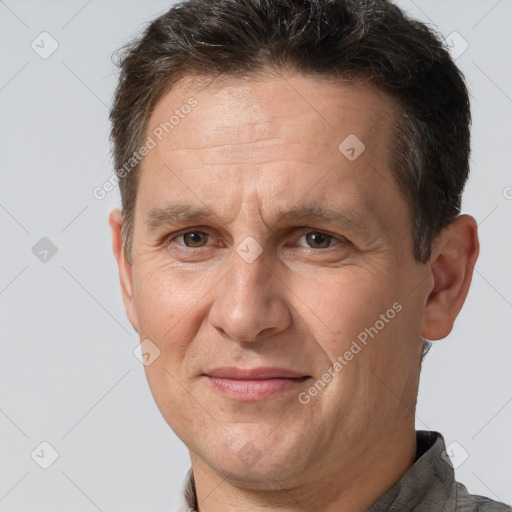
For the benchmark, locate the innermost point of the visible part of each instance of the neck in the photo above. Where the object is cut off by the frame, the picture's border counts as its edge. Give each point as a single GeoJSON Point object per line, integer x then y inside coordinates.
{"type": "Point", "coordinates": [352, 485]}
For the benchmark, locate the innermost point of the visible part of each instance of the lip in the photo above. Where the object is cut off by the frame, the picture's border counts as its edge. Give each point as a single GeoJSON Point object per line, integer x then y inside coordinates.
{"type": "Point", "coordinates": [259, 373]}
{"type": "Point", "coordinates": [254, 383]}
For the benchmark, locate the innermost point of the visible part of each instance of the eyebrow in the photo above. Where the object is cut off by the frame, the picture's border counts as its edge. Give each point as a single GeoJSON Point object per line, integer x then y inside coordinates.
{"type": "Point", "coordinates": [183, 213]}
{"type": "Point", "coordinates": [176, 213]}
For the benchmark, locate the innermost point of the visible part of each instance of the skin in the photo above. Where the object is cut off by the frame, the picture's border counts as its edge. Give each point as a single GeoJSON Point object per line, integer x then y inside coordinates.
{"type": "Point", "coordinates": [251, 148]}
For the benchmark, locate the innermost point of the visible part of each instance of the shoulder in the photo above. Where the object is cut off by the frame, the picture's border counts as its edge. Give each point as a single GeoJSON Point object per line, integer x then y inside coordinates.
{"type": "Point", "coordinates": [473, 503]}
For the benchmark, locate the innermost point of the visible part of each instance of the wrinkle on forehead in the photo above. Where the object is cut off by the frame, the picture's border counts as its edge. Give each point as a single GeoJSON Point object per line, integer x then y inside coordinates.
{"type": "Point", "coordinates": [252, 108]}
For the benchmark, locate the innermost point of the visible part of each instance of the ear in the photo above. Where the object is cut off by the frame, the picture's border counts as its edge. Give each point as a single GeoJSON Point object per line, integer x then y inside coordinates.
{"type": "Point", "coordinates": [125, 268]}
{"type": "Point", "coordinates": [453, 258]}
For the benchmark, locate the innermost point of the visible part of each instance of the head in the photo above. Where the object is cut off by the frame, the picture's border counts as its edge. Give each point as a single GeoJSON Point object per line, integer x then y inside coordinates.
{"type": "Point", "coordinates": [291, 177]}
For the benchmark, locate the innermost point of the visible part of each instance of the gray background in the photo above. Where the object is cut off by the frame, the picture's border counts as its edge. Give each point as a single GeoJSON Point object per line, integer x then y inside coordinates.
{"type": "Point", "coordinates": [68, 373]}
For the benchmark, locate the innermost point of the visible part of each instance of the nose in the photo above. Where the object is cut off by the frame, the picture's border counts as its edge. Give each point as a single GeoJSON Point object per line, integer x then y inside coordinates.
{"type": "Point", "coordinates": [251, 301]}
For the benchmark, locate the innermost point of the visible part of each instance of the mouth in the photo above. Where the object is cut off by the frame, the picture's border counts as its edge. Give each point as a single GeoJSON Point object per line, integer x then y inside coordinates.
{"type": "Point", "coordinates": [254, 383]}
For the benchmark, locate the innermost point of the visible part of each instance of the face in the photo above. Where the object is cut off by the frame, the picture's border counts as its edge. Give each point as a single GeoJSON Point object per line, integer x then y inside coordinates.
{"type": "Point", "coordinates": [268, 238]}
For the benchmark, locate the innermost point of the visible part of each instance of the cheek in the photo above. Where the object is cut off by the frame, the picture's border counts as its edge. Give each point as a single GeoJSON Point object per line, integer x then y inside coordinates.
{"type": "Point", "coordinates": [342, 307]}
{"type": "Point", "coordinates": [169, 310]}
{"type": "Point", "coordinates": [171, 394]}
{"type": "Point", "coordinates": [164, 298]}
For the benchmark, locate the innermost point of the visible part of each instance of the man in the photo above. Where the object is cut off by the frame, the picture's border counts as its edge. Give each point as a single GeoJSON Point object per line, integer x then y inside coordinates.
{"type": "Point", "coordinates": [291, 176]}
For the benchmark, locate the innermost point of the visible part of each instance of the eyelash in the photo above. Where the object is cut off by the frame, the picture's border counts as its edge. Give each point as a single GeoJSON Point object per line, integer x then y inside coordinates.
{"type": "Point", "coordinates": [303, 232]}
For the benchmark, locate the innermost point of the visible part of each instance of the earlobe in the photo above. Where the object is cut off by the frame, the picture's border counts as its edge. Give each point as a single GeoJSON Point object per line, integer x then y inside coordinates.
{"type": "Point", "coordinates": [453, 258]}
{"type": "Point", "coordinates": [124, 266]}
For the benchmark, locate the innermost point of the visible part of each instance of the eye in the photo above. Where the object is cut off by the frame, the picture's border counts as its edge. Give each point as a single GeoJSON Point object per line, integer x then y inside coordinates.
{"type": "Point", "coordinates": [318, 240]}
{"type": "Point", "coordinates": [193, 238]}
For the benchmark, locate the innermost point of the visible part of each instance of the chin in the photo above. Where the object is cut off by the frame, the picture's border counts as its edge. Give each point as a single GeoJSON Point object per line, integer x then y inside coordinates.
{"type": "Point", "coordinates": [258, 460]}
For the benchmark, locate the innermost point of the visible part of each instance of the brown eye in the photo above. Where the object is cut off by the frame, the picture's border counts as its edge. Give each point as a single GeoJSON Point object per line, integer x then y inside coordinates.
{"type": "Point", "coordinates": [195, 238]}
{"type": "Point", "coordinates": [317, 240]}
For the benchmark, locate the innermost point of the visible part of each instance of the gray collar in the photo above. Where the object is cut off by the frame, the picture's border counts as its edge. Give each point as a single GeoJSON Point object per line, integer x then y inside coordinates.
{"type": "Point", "coordinates": [429, 484]}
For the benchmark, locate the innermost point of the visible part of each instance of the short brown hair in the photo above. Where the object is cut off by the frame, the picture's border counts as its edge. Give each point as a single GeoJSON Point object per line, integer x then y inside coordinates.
{"type": "Point", "coordinates": [372, 41]}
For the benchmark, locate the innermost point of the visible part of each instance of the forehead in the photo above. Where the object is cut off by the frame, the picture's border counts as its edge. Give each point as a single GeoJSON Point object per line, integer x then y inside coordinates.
{"type": "Point", "coordinates": [273, 139]}
{"type": "Point", "coordinates": [242, 109]}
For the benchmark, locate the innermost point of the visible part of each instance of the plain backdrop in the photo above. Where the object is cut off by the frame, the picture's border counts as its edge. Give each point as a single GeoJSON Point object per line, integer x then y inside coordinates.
{"type": "Point", "coordinates": [69, 376]}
